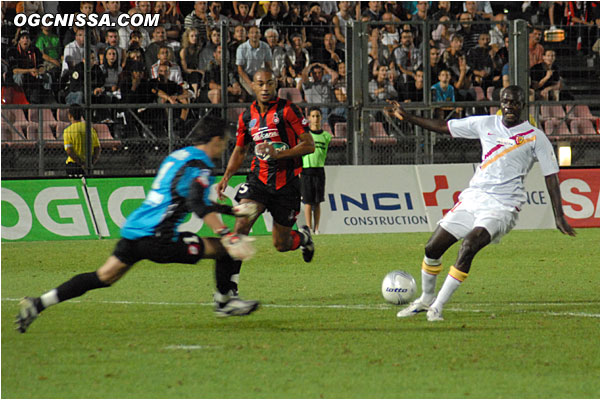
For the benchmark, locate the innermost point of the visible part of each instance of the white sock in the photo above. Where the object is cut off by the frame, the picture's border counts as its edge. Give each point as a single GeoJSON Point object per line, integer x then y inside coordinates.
{"type": "Point", "coordinates": [428, 287]}
{"type": "Point", "coordinates": [49, 298]}
{"type": "Point", "coordinates": [446, 291]}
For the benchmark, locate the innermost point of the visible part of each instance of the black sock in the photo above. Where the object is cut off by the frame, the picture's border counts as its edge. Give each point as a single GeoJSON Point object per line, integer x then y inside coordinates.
{"type": "Point", "coordinates": [78, 285]}
{"type": "Point", "coordinates": [224, 267]}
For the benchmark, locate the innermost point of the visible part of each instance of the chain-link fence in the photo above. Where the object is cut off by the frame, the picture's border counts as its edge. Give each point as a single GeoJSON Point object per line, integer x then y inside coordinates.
{"type": "Point", "coordinates": [356, 79]}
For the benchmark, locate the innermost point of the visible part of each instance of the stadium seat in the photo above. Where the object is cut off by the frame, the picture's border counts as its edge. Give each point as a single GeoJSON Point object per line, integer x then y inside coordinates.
{"type": "Point", "coordinates": [378, 136]}
{"type": "Point", "coordinates": [47, 118]}
{"type": "Point", "coordinates": [580, 111]}
{"type": "Point", "coordinates": [326, 127]}
{"type": "Point", "coordinates": [582, 127]}
{"type": "Point", "coordinates": [493, 110]}
{"type": "Point", "coordinates": [339, 138]}
{"type": "Point", "coordinates": [63, 114]}
{"type": "Point", "coordinates": [552, 112]}
{"type": "Point", "coordinates": [105, 137]}
{"type": "Point", "coordinates": [17, 119]}
{"type": "Point", "coordinates": [292, 94]}
{"type": "Point", "coordinates": [50, 141]}
{"type": "Point", "coordinates": [489, 92]}
{"type": "Point", "coordinates": [555, 127]}
{"type": "Point", "coordinates": [479, 93]}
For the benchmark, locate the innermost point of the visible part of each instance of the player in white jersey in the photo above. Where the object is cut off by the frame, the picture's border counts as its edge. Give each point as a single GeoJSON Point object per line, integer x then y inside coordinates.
{"type": "Point", "coordinates": [489, 207]}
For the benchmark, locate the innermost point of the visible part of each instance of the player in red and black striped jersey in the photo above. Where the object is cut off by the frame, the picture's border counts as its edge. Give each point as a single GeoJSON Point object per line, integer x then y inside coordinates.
{"type": "Point", "coordinates": [279, 133]}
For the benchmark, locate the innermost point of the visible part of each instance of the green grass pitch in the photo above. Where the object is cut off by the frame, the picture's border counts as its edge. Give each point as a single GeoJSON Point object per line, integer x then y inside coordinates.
{"type": "Point", "coordinates": [524, 325]}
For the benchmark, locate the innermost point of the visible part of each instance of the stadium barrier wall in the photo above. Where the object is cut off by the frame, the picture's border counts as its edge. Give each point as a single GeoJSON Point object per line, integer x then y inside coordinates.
{"type": "Point", "coordinates": [367, 199]}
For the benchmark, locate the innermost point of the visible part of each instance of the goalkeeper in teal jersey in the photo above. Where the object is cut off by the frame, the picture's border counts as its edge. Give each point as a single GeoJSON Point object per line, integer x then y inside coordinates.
{"type": "Point", "coordinates": [313, 177]}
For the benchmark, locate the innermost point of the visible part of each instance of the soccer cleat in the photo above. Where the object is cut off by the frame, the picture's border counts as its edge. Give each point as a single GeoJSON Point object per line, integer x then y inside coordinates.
{"type": "Point", "coordinates": [236, 307]}
{"type": "Point", "coordinates": [415, 307]}
{"type": "Point", "coordinates": [309, 248]}
{"type": "Point", "coordinates": [27, 314]}
{"type": "Point", "coordinates": [434, 314]}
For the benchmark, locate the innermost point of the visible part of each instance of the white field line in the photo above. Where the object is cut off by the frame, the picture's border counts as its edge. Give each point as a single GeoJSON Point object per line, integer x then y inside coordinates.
{"type": "Point", "coordinates": [190, 347]}
{"type": "Point", "coordinates": [368, 307]}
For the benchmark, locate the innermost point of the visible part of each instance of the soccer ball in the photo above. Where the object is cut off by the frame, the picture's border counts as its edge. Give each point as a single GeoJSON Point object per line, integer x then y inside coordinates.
{"type": "Point", "coordinates": [398, 287]}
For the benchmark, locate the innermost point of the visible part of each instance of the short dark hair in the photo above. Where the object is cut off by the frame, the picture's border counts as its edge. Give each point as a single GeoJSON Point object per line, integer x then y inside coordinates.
{"type": "Point", "coordinates": [314, 108]}
{"type": "Point", "coordinates": [76, 111]}
{"type": "Point", "coordinates": [517, 90]}
{"type": "Point", "coordinates": [207, 128]}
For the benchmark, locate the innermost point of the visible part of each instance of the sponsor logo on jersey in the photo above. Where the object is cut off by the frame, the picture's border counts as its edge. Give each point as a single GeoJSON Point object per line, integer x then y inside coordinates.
{"type": "Point", "coordinates": [252, 123]}
{"type": "Point", "coordinates": [203, 178]}
{"type": "Point", "coordinates": [265, 133]}
{"type": "Point", "coordinates": [276, 119]}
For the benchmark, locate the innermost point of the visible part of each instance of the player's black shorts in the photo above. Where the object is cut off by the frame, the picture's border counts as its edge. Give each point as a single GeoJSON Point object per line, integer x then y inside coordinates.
{"type": "Point", "coordinates": [313, 184]}
{"type": "Point", "coordinates": [283, 204]}
{"type": "Point", "coordinates": [188, 249]}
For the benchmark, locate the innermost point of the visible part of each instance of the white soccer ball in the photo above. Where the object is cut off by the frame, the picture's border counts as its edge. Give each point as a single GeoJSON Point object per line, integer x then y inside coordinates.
{"type": "Point", "coordinates": [398, 287]}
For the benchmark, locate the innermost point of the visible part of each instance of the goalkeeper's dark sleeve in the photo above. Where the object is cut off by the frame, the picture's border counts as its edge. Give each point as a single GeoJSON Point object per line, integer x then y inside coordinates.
{"type": "Point", "coordinates": [198, 201]}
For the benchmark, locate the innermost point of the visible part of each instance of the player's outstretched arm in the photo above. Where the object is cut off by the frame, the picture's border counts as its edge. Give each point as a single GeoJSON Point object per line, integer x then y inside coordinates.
{"type": "Point", "coordinates": [552, 182]}
{"type": "Point", "coordinates": [434, 125]}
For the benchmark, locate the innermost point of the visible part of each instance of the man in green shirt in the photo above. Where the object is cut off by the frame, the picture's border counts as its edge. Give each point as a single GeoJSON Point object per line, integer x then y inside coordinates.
{"type": "Point", "coordinates": [49, 45]}
{"type": "Point", "coordinates": [313, 177]}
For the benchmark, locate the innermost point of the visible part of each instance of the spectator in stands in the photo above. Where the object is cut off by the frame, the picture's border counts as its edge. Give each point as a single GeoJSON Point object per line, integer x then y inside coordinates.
{"type": "Point", "coordinates": [135, 43]}
{"type": "Point", "coordinates": [250, 56]}
{"type": "Point", "coordinates": [166, 57]}
{"type": "Point", "coordinates": [238, 38]}
{"type": "Point", "coordinates": [436, 65]}
{"type": "Point", "coordinates": [199, 19]}
{"type": "Point", "coordinates": [189, 56]}
{"type": "Point", "coordinates": [390, 34]}
{"type": "Point", "coordinates": [396, 8]}
{"type": "Point", "coordinates": [373, 12]}
{"type": "Point", "coordinates": [342, 18]}
{"type": "Point", "coordinates": [75, 92]}
{"type": "Point", "coordinates": [273, 19]}
{"type": "Point", "coordinates": [144, 8]}
{"type": "Point", "coordinates": [481, 63]}
{"type": "Point", "coordinates": [136, 89]}
{"type": "Point", "coordinates": [279, 56]}
{"type": "Point", "coordinates": [74, 52]}
{"type": "Point", "coordinates": [480, 11]}
{"type": "Point", "coordinates": [125, 33]}
{"type": "Point", "coordinates": [206, 54]}
{"type": "Point", "coordinates": [381, 88]}
{"type": "Point", "coordinates": [159, 39]}
{"type": "Point", "coordinates": [293, 23]}
{"type": "Point", "coordinates": [377, 53]}
{"type": "Point", "coordinates": [421, 15]}
{"type": "Point", "coordinates": [545, 78]}
{"type": "Point", "coordinates": [443, 91]}
{"type": "Point", "coordinates": [317, 86]}
{"type": "Point", "coordinates": [331, 55]}
{"type": "Point", "coordinates": [414, 89]}
{"type": "Point", "coordinates": [503, 52]}
{"type": "Point", "coordinates": [111, 39]}
{"type": "Point", "coordinates": [328, 10]}
{"type": "Point", "coordinates": [444, 10]}
{"type": "Point", "coordinates": [244, 15]}
{"type": "Point", "coordinates": [461, 75]}
{"type": "Point", "coordinates": [442, 34]}
{"type": "Point", "coordinates": [113, 9]}
{"type": "Point", "coordinates": [535, 49]}
{"type": "Point", "coordinates": [407, 57]}
{"type": "Point", "coordinates": [133, 55]}
{"type": "Point", "coordinates": [172, 19]}
{"type": "Point", "coordinates": [215, 16]}
{"type": "Point", "coordinates": [297, 59]}
{"type": "Point", "coordinates": [498, 32]}
{"type": "Point", "coordinates": [49, 45]}
{"type": "Point", "coordinates": [169, 91]}
{"type": "Point", "coordinates": [87, 8]}
{"type": "Point", "coordinates": [213, 77]}
{"type": "Point", "coordinates": [111, 69]}
{"type": "Point", "coordinates": [469, 32]}
{"type": "Point", "coordinates": [316, 28]}
{"type": "Point", "coordinates": [26, 65]}
{"type": "Point", "coordinates": [74, 138]}
{"type": "Point", "coordinates": [338, 114]}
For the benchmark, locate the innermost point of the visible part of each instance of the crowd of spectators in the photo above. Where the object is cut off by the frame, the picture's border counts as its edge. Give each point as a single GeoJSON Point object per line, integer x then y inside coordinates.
{"type": "Point", "coordinates": [180, 60]}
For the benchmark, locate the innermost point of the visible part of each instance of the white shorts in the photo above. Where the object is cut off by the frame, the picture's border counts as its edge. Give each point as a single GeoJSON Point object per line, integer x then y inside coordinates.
{"type": "Point", "coordinates": [476, 208]}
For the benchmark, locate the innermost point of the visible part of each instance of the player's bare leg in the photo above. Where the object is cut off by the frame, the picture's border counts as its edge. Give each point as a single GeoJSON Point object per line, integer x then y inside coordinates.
{"type": "Point", "coordinates": [316, 217]}
{"type": "Point", "coordinates": [309, 215]}
{"type": "Point", "coordinates": [285, 239]}
{"type": "Point", "coordinates": [475, 241]}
